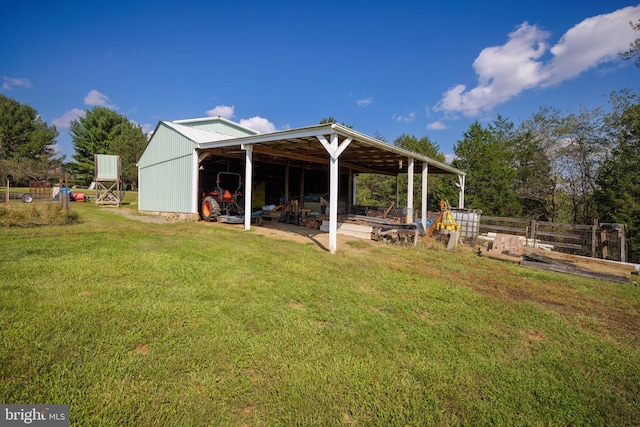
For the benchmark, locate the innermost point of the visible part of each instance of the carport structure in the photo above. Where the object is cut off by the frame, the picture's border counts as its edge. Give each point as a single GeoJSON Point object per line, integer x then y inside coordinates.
{"type": "Point", "coordinates": [331, 144]}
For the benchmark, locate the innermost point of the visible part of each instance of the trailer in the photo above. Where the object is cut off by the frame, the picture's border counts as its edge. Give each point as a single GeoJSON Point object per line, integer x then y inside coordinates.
{"type": "Point", "coordinates": [25, 197]}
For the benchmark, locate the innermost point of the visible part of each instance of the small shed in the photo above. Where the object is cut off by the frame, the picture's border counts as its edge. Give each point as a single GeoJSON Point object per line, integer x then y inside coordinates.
{"type": "Point", "coordinates": [183, 158]}
{"type": "Point", "coordinates": [108, 180]}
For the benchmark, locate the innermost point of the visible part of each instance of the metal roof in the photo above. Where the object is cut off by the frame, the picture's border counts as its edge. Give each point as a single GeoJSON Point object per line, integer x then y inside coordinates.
{"type": "Point", "coordinates": [196, 135]}
{"type": "Point", "coordinates": [364, 154]}
{"type": "Point", "coordinates": [216, 119]}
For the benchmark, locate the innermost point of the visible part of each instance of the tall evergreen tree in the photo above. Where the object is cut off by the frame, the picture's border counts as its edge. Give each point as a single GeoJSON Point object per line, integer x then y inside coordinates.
{"type": "Point", "coordinates": [422, 146]}
{"type": "Point", "coordinates": [533, 183]}
{"type": "Point", "coordinates": [26, 141]}
{"type": "Point", "coordinates": [129, 144]}
{"type": "Point", "coordinates": [103, 131]}
{"type": "Point", "coordinates": [490, 175]}
{"type": "Point", "coordinates": [618, 195]}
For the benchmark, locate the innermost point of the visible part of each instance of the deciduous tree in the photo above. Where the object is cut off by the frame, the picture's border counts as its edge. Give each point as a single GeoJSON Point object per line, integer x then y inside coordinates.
{"type": "Point", "coordinates": [634, 49]}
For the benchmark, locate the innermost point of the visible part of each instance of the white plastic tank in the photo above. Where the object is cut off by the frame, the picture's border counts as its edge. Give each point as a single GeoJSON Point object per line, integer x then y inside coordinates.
{"type": "Point", "coordinates": [469, 221]}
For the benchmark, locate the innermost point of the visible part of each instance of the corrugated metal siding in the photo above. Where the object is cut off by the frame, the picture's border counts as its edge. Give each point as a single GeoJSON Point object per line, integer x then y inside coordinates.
{"type": "Point", "coordinates": [107, 167]}
{"type": "Point", "coordinates": [165, 173]}
{"type": "Point", "coordinates": [220, 127]}
{"type": "Point", "coordinates": [166, 186]}
{"type": "Point", "coordinates": [166, 144]}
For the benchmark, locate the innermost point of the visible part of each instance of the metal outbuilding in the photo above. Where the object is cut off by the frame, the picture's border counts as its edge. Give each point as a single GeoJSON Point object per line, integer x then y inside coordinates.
{"type": "Point", "coordinates": [168, 168]}
{"type": "Point", "coordinates": [183, 156]}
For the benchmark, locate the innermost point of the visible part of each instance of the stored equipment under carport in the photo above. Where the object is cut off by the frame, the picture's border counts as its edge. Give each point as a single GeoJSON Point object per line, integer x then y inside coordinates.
{"type": "Point", "coordinates": [222, 200]}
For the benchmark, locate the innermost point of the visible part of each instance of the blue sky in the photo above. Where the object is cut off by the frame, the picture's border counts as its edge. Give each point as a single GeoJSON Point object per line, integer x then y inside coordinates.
{"type": "Point", "coordinates": [416, 67]}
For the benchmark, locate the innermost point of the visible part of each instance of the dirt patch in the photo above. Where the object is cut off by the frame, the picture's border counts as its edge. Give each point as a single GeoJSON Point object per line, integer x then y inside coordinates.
{"type": "Point", "coordinates": [141, 349]}
{"type": "Point", "coordinates": [295, 233]}
{"type": "Point", "coordinates": [150, 219]}
{"type": "Point", "coordinates": [534, 336]}
{"type": "Point", "coordinates": [586, 310]}
{"type": "Point", "coordinates": [296, 305]}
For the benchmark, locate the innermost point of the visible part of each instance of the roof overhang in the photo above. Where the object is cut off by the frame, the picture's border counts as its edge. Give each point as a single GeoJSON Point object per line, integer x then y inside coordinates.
{"type": "Point", "coordinates": [364, 153]}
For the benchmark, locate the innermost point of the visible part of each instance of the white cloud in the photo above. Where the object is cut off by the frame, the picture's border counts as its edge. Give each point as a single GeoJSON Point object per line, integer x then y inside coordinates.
{"type": "Point", "coordinates": [405, 119]}
{"type": "Point", "coordinates": [146, 128]}
{"type": "Point", "coordinates": [593, 41]}
{"type": "Point", "coordinates": [256, 123]}
{"type": "Point", "coordinates": [450, 157]}
{"type": "Point", "coordinates": [259, 124]}
{"type": "Point", "coordinates": [64, 121]}
{"type": "Point", "coordinates": [95, 98]}
{"type": "Point", "coordinates": [437, 126]}
{"type": "Point", "coordinates": [11, 82]}
{"type": "Point", "coordinates": [223, 111]}
{"type": "Point", "coordinates": [505, 71]}
{"type": "Point", "coordinates": [364, 102]}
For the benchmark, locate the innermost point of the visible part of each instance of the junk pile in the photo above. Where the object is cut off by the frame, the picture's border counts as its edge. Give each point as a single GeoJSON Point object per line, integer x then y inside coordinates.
{"type": "Point", "coordinates": [509, 248]}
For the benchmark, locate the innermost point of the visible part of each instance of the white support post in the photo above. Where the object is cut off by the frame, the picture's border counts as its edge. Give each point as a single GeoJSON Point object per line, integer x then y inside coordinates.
{"type": "Point", "coordinates": [248, 184]}
{"type": "Point", "coordinates": [334, 153]}
{"type": "Point", "coordinates": [425, 175]}
{"type": "Point", "coordinates": [409, 219]}
{"type": "Point", "coordinates": [461, 179]}
{"type": "Point", "coordinates": [333, 197]}
{"type": "Point", "coordinates": [195, 166]}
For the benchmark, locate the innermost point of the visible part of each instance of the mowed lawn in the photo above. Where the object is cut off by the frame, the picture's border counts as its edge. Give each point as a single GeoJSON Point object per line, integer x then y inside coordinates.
{"type": "Point", "coordinates": [192, 324]}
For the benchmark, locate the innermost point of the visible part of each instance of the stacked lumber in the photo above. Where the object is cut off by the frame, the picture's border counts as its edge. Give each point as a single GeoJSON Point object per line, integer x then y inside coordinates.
{"type": "Point", "coordinates": [506, 248]}
{"type": "Point", "coordinates": [348, 229]}
{"type": "Point", "coordinates": [584, 266]}
{"type": "Point", "coordinates": [490, 237]}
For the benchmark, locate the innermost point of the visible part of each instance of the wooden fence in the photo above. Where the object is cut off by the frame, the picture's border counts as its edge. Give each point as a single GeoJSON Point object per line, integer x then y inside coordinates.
{"type": "Point", "coordinates": [605, 241]}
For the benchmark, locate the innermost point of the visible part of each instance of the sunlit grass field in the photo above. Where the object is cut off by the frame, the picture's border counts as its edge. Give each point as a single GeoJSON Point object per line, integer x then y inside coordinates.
{"type": "Point", "coordinates": [187, 324]}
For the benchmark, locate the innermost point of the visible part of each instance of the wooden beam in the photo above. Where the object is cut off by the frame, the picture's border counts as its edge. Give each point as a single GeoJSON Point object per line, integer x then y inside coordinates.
{"type": "Point", "coordinates": [287, 154]}
{"type": "Point", "coordinates": [260, 149]}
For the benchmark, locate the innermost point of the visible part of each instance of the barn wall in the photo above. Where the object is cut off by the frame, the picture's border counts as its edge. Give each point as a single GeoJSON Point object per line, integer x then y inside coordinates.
{"type": "Point", "coordinates": [165, 173]}
{"type": "Point", "coordinates": [166, 186]}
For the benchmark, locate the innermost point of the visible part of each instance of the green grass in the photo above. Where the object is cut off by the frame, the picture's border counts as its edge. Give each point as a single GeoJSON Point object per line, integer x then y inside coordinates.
{"type": "Point", "coordinates": [188, 324]}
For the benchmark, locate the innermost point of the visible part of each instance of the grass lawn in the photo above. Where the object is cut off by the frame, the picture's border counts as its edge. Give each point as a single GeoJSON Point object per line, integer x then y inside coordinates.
{"type": "Point", "coordinates": [183, 324]}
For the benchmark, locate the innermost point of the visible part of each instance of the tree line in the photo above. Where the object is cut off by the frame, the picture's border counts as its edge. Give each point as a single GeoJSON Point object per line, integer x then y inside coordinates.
{"type": "Point", "coordinates": [27, 145]}
{"type": "Point", "coordinates": [570, 168]}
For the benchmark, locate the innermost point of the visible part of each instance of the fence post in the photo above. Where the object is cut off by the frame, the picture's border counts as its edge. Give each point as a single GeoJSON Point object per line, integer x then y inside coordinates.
{"type": "Point", "coordinates": [6, 194]}
{"type": "Point", "coordinates": [534, 228]}
{"type": "Point", "coordinates": [594, 238]}
{"type": "Point", "coordinates": [60, 201]}
{"type": "Point", "coordinates": [623, 243]}
{"type": "Point", "coordinates": [67, 197]}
